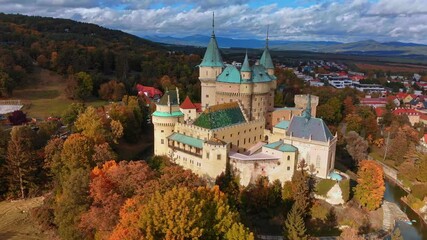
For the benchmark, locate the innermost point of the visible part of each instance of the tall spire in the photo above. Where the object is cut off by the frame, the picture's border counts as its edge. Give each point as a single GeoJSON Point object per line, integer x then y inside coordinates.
{"type": "Point", "coordinates": [213, 24]}
{"type": "Point", "coordinates": [266, 40]}
{"type": "Point", "coordinates": [245, 65]}
{"type": "Point", "coordinates": [212, 57]}
{"type": "Point", "coordinates": [307, 111]}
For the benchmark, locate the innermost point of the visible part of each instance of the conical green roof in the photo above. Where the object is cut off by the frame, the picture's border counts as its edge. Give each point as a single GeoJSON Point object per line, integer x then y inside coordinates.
{"type": "Point", "coordinates": [245, 66]}
{"type": "Point", "coordinates": [266, 59]}
{"type": "Point", "coordinates": [212, 56]}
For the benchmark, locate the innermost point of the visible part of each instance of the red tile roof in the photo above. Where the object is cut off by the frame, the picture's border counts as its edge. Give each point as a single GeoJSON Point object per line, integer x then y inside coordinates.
{"type": "Point", "coordinates": [148, 91]}
{"type": "Point", "coordinates": [380, 111]}
{"type": "Point", "coordinates": [187, 104]}
{"type": "Point", "coordinates": [406, 111]}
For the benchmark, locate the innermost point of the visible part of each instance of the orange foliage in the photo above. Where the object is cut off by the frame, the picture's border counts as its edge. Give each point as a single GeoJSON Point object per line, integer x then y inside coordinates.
{"type": "Point", "coordinates": [370, 188]}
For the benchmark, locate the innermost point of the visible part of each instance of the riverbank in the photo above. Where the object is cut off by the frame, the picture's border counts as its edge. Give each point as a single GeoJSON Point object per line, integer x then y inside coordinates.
{"type": "Point", "coordinates": [422, 216]}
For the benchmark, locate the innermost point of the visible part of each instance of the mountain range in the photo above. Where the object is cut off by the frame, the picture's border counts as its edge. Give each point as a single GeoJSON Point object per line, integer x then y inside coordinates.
{"type": "Point", "coordinates": [368, 47]}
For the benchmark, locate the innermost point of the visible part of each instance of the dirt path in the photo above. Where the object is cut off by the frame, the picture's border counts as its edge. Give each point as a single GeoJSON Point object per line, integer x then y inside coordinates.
{"type": "Point", "coordinates": [15, 222]}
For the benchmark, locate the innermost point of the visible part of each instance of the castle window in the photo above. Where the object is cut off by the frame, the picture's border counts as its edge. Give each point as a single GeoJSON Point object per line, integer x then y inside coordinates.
{"type": "Point", "coordinates": [289, 168]}
{"type": "Point", "coordinates": [218, 157]}
{"type": "Point", "coordinates": [162, 130]}
{"type": "Point", "coordinates": [207, 95]}
{"type": "Point", "coordinates": [231, 135]}
{"type": "Point", "coordinates": [254, 138]}
{"type": "Point", "coordinates": [207, 155]}
{"type": "Point", "coordinates": [162, 141]}
{"type": "Point", "coordinates": [289, 158]}
{"type": "Point", "coordinates": [238, 142]}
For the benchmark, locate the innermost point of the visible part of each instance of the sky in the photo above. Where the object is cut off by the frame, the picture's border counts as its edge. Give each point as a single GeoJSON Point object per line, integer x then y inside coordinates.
{"type": "Point", "coordinates": [303, 20]}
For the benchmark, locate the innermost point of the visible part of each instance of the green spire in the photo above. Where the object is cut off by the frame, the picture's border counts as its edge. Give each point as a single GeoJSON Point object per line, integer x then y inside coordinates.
{"type": "Point", "coordinates": [307, 111]}
{"type": "Point", "coordinates": [245, 66]}
{"type": "Point", "coordinates": [212, 56]}
{"type": "Point", "coordinates": [266, 57]}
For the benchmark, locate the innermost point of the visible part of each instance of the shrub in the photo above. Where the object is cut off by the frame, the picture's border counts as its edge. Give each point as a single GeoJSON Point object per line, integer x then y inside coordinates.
{"type": "Point", "coordinates": [345, 189]}
{"type": "Point", "coordinates": [319, 211]}
{"type": "Point", "coordinates": [414, 202]}
{"type": "Point", "coordinates": [419, 191]}
{"type": "Point", "coordinates": [323, 187]}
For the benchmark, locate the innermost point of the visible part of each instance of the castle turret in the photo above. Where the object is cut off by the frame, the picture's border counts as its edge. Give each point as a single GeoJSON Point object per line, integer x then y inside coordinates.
{"type": "Point", "coordinates": [246, 71]}
{"type": "Point", "coordinates": [165, 117]}
{"type": "Point", "coordinates": [266, 60]}
{"type": "Point", "coordinates": [209, 69]}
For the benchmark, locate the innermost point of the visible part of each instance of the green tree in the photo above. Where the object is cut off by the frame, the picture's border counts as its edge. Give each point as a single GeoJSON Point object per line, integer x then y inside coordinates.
{"type": "Point", "coordinates": [331, 111]}
{"type": "Point", "coordinates": [72, 112]}
{"type": "Point", "coordinates": [6, 84]}
{"type": "Point", "coordinates": [302, 189]}
{"type": "Point", "coordinates": [294, 225]}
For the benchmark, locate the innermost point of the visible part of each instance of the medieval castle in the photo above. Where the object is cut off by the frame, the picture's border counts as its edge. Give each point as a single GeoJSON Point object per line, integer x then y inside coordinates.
{"type": "Point", "coordinates": [236, 123]}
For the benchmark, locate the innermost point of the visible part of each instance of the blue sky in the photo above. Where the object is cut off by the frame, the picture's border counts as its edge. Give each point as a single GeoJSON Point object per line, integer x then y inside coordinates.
{"type": "Point", "coordinates": [306, 20]}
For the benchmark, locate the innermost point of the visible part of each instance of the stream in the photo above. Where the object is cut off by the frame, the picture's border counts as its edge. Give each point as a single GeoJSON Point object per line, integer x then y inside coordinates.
{"type": "Point", "coordinates": [416, 231]}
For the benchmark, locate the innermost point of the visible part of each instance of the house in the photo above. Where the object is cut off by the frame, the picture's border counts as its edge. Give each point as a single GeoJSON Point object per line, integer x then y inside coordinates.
{"type": "Point", "coordinates": [413, 115]}
{"type": "Point", "coordinates": [150, 92]}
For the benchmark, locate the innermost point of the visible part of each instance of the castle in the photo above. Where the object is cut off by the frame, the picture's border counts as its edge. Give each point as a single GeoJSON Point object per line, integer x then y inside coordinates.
{"type": "Point", "coordinates": [236, 124]}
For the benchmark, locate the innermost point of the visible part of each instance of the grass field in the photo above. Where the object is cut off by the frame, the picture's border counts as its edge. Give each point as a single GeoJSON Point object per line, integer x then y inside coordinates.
{"type": "Point", "coordinates": [15, 220]}
{"type": "Point", "coordinates": [45, 97]}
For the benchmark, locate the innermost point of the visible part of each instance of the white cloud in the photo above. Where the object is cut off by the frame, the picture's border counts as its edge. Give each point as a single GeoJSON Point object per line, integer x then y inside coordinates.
{"type": "Point", "coordinates": [348, 20]}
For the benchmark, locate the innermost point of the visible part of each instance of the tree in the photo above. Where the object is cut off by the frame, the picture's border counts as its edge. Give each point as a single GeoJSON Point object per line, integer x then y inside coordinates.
{"type": "Point", "coordinates": [91, 125]}
{"type": "Point", "coordinates": [354, 123]}
{"type": "Point", "coordinates": [294, 225]}
{"type": "Point", "coordinates": [112, 90]}
{"type": "Point", "coordinates": [103, 153]}
{"type": "Point", "coordinates": [349, 107]}
{"type": "Point", "coordinates": [350, 234]}
{"type": "Point", "coordinates": [79, 86]}
{"type": "Point", "coordinates": [370, 187]}
{"type": "Point", "coordinates": [6, 84]}
{"type": "Point", "coordinates": [17, 118]}
{"type": "Point", "coordinates": [302, 189]}
{"type": "Point", "coordinates": [116, 130]}
{"type": "Point", "coordinates": [183, 213]}
{"type": "Point", "coordinates": [72, 188]}
{"type": "Point", "coordinates": [20, 162]}
{"type": "Point", "coordinates": [357, 147]}
{"type": "Point", "coordinates": [331, 111]}
{"type": "Point", "coordinates": [110, 186]}
{"type": "Point", "coordinates": [72, 112]}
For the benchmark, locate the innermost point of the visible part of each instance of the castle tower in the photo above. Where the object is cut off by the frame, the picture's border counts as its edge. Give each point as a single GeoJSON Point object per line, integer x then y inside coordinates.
{"type": "Point", "coordinates": [209, 69]}
{"type": "Point", "coordinates": [165, 117]}
{"type": "Point", "coordinates": [266, 60]}
{"type": "Point", "coordinates": [246, 71]}
{"type": "Point", "coordinates": [302, 102]}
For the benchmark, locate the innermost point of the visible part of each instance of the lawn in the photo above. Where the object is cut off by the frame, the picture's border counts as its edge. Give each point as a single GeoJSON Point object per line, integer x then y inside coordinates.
{"type": "Point", "coordinates": [45, 96]}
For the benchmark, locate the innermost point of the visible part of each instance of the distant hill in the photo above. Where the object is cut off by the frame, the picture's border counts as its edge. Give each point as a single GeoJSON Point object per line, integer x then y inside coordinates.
{"type": "Point", "coordinates": [368, 47]}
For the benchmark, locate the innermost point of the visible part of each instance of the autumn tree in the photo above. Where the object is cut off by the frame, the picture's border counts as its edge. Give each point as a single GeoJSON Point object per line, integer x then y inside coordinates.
{"type": "Point", "coordinates": [112, 90]}
{"type": "Point", "coordinates": [350, 234]}
{"type": "Point", "coordinates": [349, 107]}
{"type": "Point", "coordinates": [79, 86]}
{"type": "Point", "coordinates": [91, 125]}
{"type": "Point", "coordinates": [20, 162]}
{"type": "Point", "coordinates": [72, 173]}
{"type": "Point", "coordinates": [294, 225]}
{"type": "Point", "coordinates": [183, 213]}
{"type": "Point", "coordinates": [110, 186]}
{"type": "Point", "coordinates": [370, 187]}
{"type": "Point", "coordinates": [357, 147]}
{"type": "Point", "coordinates": [17, 118]}
{"type": "Point", "coordinates": [72, 112]}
